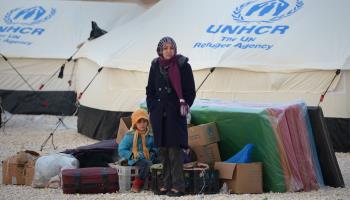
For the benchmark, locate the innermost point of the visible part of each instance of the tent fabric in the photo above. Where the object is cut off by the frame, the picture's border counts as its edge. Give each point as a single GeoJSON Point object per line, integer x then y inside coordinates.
{"type": "Point", "coordinates": [19, 98]}
{"type": "Point", "coordinates": [99, 124]}
{"type": "Point", "coordinates": [233, 34]}
{"type": "Point", "coordinates": [36, 72]}
{"type": "Point", "coordinates": [42, 26]}
{"type": "Point", "coordinates": [328, 162]}
{"type": "Point", "coordinates": [45, 102]}
{"type": "Point", "coordinates": [112, 91]}
{"type": "Point", "coordinates": [300, 64]}
{"type": "Point", "coordinates": [38, 36]}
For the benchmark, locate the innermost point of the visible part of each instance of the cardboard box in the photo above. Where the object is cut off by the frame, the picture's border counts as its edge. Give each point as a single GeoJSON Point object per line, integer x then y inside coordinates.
{"type": "Point", "coordinates": [19, 169]}
{"type": "Point", "coordinates": [203, 134]}
{"type": "Point", "coordinates": [124, 126]}
{"type": "Point", "coordinates": [24, 156]}
{"type": "Point", "coordinates": [29, 170]}
{"type": "Point", "coordinates": [241, 178]}
{"type": "Point", "coordinates": [12, 173]}
{"type": "Point", "coordinates": [207, 153]}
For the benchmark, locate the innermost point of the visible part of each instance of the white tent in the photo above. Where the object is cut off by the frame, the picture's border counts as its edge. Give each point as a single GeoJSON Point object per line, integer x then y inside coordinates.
{"type": "Point", "coordinates": [264, 51]}
{"type": "Point", "coordinates": [38, 36]}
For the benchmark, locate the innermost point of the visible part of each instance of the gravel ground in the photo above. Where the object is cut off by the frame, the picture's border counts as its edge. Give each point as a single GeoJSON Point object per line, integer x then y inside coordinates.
{"type": "Point", "coordinates": [29, 132]}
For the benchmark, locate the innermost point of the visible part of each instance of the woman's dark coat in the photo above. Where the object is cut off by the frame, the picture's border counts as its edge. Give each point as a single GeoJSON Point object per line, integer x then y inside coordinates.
{"type": "Point", "coordinates": [169, 131]}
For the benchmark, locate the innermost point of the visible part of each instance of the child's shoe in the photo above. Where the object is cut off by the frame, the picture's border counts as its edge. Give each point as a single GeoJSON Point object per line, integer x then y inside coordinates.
{"type": "Point", "coordinates": [137, 185]}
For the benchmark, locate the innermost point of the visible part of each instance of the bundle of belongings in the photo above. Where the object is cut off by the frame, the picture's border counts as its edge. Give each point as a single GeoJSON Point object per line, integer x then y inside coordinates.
{"type": "Point", "coordinates": [31, 169]}
{"type": "Point", "coordinates": [199, 178]}
{"type": "Point", "coordinates": [94, 174]}
{"type": "Point", "coordinates": [96, 168]}
{"type": "Point", "coordinates": [204, 140]}
{"type": "Point", "coordinates": [204, 175]}
{"type": "Point", "coordinates": [95, 155]}
{"type": "Point", "coordinates": [278, 142]}
{"type": "Point", "coordinates": [48, 169]}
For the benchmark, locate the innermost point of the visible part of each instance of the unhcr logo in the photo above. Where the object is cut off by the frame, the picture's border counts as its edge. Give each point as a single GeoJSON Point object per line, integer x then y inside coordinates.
{"type": "Point", "coordinates": [28, 16]}
{"type": "Point", "coordinates": [266, 10]}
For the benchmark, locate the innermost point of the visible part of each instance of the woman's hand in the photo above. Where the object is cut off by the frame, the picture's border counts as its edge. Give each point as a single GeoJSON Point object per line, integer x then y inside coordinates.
{"type": "Point", "coordinates": [184, 108]}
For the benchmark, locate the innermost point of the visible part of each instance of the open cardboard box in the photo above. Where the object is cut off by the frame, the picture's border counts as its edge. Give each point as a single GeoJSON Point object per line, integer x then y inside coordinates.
{"type": "Point", "coordinates": [19, 169]}
{"type": "Point", "coordinates": [241, 178]}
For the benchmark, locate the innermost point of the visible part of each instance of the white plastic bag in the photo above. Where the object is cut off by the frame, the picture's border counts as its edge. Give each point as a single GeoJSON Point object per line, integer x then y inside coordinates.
{"type": "Point", "coordinates": [54, 182]}
{"type": "Point", "coordinates": [49, 166]}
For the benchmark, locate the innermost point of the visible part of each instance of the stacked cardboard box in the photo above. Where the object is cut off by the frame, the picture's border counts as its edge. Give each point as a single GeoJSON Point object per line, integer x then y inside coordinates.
{"type": "Point", "coordinates": [240, 178]}
{"type": "Point", "coordinates": [203, 140]}
{"type": "Point", "coordinates": [19, 169]}
{"type": "Point", "coordinates": [124, 126]}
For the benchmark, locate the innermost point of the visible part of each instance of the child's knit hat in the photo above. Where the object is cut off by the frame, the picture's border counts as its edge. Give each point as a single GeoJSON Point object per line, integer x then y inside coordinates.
{"type": "Point", "coordinates": [137, 115]}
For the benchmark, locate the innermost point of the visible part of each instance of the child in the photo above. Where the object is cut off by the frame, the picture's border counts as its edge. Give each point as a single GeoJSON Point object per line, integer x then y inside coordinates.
{"type": "Point", "coordinates": [137, 147]}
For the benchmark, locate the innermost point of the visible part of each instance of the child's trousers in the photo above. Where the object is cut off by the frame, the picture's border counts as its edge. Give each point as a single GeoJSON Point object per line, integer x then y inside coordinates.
{"type": "Point", "coordinates": [144, 167]}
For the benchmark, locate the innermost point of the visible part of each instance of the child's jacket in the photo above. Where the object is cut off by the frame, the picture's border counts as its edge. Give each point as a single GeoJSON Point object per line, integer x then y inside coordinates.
{"type": "Point", "coordinates": [125, 148]}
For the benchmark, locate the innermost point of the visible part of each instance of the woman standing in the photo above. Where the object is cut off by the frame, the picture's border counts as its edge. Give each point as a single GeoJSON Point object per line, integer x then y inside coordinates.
{"type": "Point", "coordinates": [170, 93]}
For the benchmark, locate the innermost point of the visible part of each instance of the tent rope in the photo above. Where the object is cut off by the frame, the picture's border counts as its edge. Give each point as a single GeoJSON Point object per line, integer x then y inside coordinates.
{"type": "Point", "coordinates": [22, 77]}
{"type": "Point", "coordinates": [72, 73]}
{"type": "Point", "coordinates": [337, 72]}
{"type": "Point", "coordinates": [49, 79]}
{"type": "Point", "coordinates": [44, 103]}
{"type": "Point", "coordinates": [210, 72]}
{"type": "Point", "coordinates": [61, 68]}
{"type": "Point", "coordinates": [88, 85]}
{"type": "Point", "coordinates": [36, 94]}
{"type": "Point", "coordinates": [77, 103]}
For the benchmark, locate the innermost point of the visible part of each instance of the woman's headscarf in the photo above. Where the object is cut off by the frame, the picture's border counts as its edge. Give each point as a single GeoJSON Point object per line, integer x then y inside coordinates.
{"type": "Point", "coordinates": [171, 65]}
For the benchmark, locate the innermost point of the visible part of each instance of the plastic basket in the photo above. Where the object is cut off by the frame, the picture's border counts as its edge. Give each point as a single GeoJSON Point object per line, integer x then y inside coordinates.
{"type": "Point", "coordinates": [126, 175]}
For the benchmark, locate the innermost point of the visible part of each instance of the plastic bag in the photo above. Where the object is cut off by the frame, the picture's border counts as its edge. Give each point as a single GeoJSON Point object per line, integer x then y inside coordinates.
{"type": "Point", "coordinates": [49, 166]}
{"type": "Point", "coordinates": [242, 156]}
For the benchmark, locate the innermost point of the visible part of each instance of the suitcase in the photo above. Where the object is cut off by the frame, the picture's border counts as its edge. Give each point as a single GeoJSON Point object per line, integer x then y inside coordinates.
{"type": "Point", "coordinates": [90, 180]}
